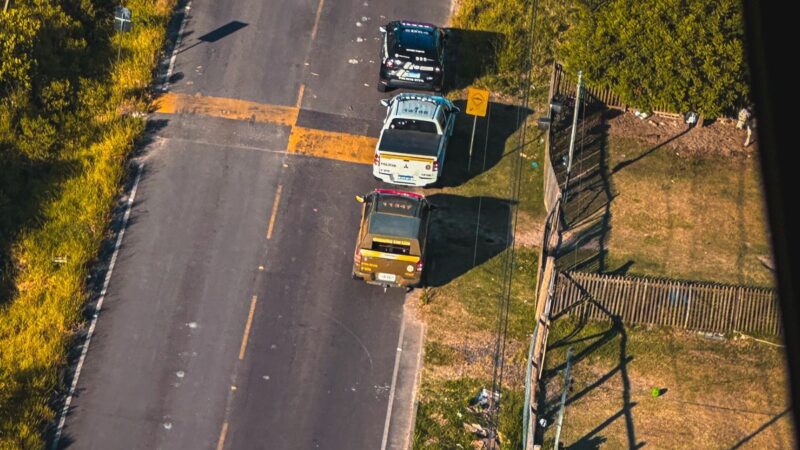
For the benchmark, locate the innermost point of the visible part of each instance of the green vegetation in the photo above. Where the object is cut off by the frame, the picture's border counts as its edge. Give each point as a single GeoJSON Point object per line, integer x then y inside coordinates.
{"type": "Point", "coordinates": [462, 319]}
{"type": "Point", "coordinates": [66, 129]}
{"type": "Point", "coordinates": [672, 55]}
{"type": "Point", "coordinates": [713, 390]}
{"type": "Point", "coordinates": [506, 33]}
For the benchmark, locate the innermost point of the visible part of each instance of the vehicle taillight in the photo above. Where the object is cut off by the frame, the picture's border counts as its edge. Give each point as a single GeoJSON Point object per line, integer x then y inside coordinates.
{"type": "Point", "coordinates": [436, 166]}
{"type": "Point", "coordinates": [377, 160]}
{"type": "Point", "coordinates": [419, 265]}
{"type": "Point", "coordinates": [357, 257]}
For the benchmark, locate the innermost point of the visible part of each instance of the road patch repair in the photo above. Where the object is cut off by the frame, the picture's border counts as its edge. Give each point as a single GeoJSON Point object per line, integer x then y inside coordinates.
{"type": "Point", "coordinates": [336, 145]}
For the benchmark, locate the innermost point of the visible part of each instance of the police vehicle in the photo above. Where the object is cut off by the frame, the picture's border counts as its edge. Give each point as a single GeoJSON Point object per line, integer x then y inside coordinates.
{"type": "Point", "coordinates": [413, 143]}
{"type": "Point", "coordinates": [412, 56]}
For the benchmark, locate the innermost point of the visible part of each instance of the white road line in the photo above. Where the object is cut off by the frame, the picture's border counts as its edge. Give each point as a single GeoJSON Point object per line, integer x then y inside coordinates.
{"type": "Point", "coordinates": [214, 144]}
{"type": "Point", "coordinates": [97, 308]}
{"type": "Point", "coordinates": [394, 383]}
{"type": "Point", "coordinates": [175, 48]}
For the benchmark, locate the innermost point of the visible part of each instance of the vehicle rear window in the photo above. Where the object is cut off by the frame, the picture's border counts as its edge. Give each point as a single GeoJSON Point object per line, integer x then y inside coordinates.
{"type": "Point", "coordinates": [424, 126]}
{"type": "Point", "coordinates": [417, 39]}
{"type": "Point", "coordinates": [385, 247]}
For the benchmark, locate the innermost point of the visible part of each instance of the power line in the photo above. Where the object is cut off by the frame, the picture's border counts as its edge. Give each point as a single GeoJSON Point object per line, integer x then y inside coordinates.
{"type": "Point", "coordinates": [505, 298]}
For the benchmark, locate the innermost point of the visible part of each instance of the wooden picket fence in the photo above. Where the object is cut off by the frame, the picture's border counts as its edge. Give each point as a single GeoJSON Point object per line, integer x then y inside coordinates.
{"type": "Point", "coordinates": [680, 304]}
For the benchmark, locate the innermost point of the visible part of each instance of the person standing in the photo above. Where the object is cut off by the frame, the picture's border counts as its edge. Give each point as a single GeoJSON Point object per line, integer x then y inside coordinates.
{"type": "Point", "coordinates": [744, 117]}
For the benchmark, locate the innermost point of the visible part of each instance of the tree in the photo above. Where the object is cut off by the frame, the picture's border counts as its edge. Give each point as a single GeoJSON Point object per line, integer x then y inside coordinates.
{"type": "Point", "coordinates": [668, 54]}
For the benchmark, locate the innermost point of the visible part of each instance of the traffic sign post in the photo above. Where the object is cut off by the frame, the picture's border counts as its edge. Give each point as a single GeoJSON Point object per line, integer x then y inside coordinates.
{"type": "Point", "coordinates": [122, 23]}
{"type": "Point", "coordinates": [477, 103]}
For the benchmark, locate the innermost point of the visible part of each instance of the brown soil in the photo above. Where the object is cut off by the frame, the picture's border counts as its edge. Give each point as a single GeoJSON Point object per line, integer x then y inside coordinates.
{"type": "Point", "coordinates": [720, 138]}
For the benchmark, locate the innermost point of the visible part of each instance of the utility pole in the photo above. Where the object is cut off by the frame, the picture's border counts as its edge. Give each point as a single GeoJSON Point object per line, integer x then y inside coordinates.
{"type": "Point", "coordinates": [567, 380]}
{"type": "Point", "coordinates": [574, 123]}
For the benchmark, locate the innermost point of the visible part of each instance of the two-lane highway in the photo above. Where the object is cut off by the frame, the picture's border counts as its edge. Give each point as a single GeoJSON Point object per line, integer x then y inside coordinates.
{"type": "Point", "coordinates": [231, 320]}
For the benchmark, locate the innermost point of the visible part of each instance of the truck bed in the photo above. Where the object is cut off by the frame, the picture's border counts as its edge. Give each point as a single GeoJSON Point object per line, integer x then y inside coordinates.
{"type": "Point", "coordinates": [416, 143]}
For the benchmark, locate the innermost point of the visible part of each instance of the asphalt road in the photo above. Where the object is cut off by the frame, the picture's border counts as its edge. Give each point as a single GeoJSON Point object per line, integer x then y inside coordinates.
{"type": "Point", "coordinates": [231, 322]}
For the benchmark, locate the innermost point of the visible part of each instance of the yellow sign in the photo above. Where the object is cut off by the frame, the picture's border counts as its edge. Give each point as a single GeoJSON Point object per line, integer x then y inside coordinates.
{"type": "Point", "coordinates": [477, 102]}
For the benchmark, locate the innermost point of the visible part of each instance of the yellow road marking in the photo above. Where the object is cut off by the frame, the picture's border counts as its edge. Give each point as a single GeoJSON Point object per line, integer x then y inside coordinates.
{"type": "Point", "coordinates": [332, 145]}
{"type": "Point", "coordinates": [274, 211]}
{"type": "Point", "coordinates": [227, 108]}
{"type": "Point", "coordinates": [221, 441]}
{"type": "Point", "coordinates": [247, 330]}
{"type": "Point", "coordinates": [304, 141]}
{"type": "Point", "coordinates": [302, 91]}
{"type": "Point", "coordinates": [316, 21]}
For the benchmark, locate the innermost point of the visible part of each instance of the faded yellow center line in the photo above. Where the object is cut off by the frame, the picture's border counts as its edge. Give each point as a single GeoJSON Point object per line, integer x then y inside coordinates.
{"type": "Point", "coordinates": [332, 145]}
{"type": "Point", "coordinates": [300, 93]}
{"type": "Point", "coordinates": [221, 441]}
{"type": "Point", "coordinates": [227, 108]}
{"type": "Point", "coordinates": [274, 211]}
{"type": "Point", "coordinates": [247, 327]}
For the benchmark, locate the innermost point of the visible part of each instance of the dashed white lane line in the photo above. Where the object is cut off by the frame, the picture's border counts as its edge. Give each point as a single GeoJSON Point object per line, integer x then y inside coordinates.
{"type": "Point", "coordinates": [97, 308]}
{"type": "Point", "coordinates": [385, 439]}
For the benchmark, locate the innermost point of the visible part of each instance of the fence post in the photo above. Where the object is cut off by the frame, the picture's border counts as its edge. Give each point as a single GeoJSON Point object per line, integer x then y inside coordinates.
{"type": "Point", "coordinates": [688, 308]}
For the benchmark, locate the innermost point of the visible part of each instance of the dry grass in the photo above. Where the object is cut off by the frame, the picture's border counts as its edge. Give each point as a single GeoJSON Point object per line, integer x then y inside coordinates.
{"type": "Point", "coordinates": [688, 217]}
{"type": "Point", "coordinates": [719, 393]}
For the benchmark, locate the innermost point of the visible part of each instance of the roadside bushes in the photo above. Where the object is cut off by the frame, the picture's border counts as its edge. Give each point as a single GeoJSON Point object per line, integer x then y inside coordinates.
{"type": "Point", "coordinates": [669, 54]}
{"type": "Point", "coordinates": [63, 143]}
{"type": "Point", "coordinates": [497, 58]}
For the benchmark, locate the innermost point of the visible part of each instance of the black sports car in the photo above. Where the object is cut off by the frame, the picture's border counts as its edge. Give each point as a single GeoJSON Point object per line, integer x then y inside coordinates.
{"type": "Point", "coordinates": [412, 56]}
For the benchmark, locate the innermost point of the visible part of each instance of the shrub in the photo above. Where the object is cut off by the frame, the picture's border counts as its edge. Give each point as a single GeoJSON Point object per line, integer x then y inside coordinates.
{"type": "Point", "coordinates": [669, 54]}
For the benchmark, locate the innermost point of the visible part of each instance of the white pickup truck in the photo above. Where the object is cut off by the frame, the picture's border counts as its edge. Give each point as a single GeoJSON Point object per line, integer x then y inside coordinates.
{"type": "Point", "coordinates": [413, 142]}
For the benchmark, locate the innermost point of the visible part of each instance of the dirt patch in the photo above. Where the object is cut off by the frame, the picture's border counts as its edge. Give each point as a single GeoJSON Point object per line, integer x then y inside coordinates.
{"type": "Point", "coordinates": [720, 138]}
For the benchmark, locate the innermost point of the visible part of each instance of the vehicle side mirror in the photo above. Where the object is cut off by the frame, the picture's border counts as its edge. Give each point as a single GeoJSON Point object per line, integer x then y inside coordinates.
{"type": "Point", "coordinates": [456, 109]}
{"type": "Point", "coordinates": [385, 102]}
{"type": "Point", "coordinates": [383, 29]}
{"type": "Point", "coordinates": [359, 199]}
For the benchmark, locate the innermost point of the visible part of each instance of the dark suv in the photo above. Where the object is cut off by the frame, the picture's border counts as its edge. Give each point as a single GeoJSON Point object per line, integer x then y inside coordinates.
{"type": "Point", "coordinates": [412, 56]}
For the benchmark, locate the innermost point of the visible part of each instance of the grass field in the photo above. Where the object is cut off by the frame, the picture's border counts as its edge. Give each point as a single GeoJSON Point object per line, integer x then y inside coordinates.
{"type": "Point", "coordinates": [715, 393]}
{"type": "Point", "coordinates": [653, 209]}
{"type": "Point", "coordinates": [687, 216]}
{"type": "Point", "coordinates": [460, 309]}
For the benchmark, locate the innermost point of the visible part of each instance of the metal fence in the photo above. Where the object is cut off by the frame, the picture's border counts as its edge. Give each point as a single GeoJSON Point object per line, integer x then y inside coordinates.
{"type": "Point", "coordinates": [679, 304]}
{"type": "Point", "coordinates": [565, 84]}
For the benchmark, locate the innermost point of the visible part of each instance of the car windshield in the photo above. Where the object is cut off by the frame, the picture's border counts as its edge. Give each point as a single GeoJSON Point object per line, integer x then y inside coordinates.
{"type": "Point", "coordinates": [424, 126]}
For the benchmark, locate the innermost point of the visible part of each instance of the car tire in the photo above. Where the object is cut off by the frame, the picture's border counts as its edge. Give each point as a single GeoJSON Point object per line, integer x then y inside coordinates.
{"type": "Point", "coordinates": [355, 277]}
{"type": "Point", "coordinates": [382, 87]}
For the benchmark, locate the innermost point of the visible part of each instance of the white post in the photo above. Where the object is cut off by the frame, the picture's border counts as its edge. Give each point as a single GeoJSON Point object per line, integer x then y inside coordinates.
{"type": "Point", "coordinates": [471, 141]}
{"type": "Point", "coordinates": [574, 123]}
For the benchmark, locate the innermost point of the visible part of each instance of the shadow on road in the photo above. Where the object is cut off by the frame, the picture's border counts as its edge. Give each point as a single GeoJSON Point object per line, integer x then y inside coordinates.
{"type": "Point", "coordinates": [465, 232]}
{"type": "Point", "coordinates": [215, 35]}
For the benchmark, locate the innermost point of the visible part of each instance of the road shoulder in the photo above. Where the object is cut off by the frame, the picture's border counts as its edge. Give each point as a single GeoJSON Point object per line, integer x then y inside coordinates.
{"type": "Point", "coordinates": [404, 408]}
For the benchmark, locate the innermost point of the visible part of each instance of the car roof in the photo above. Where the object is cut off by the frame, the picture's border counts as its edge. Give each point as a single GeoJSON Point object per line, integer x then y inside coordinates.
{"type": "Point", "coordinates": [396, 213]}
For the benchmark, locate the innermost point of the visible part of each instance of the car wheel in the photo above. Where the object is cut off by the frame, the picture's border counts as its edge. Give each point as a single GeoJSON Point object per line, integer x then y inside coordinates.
{"type": "Point", "coordinates": [356, 277]}
{"type": "Point", "coordinates": [382, 87]}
